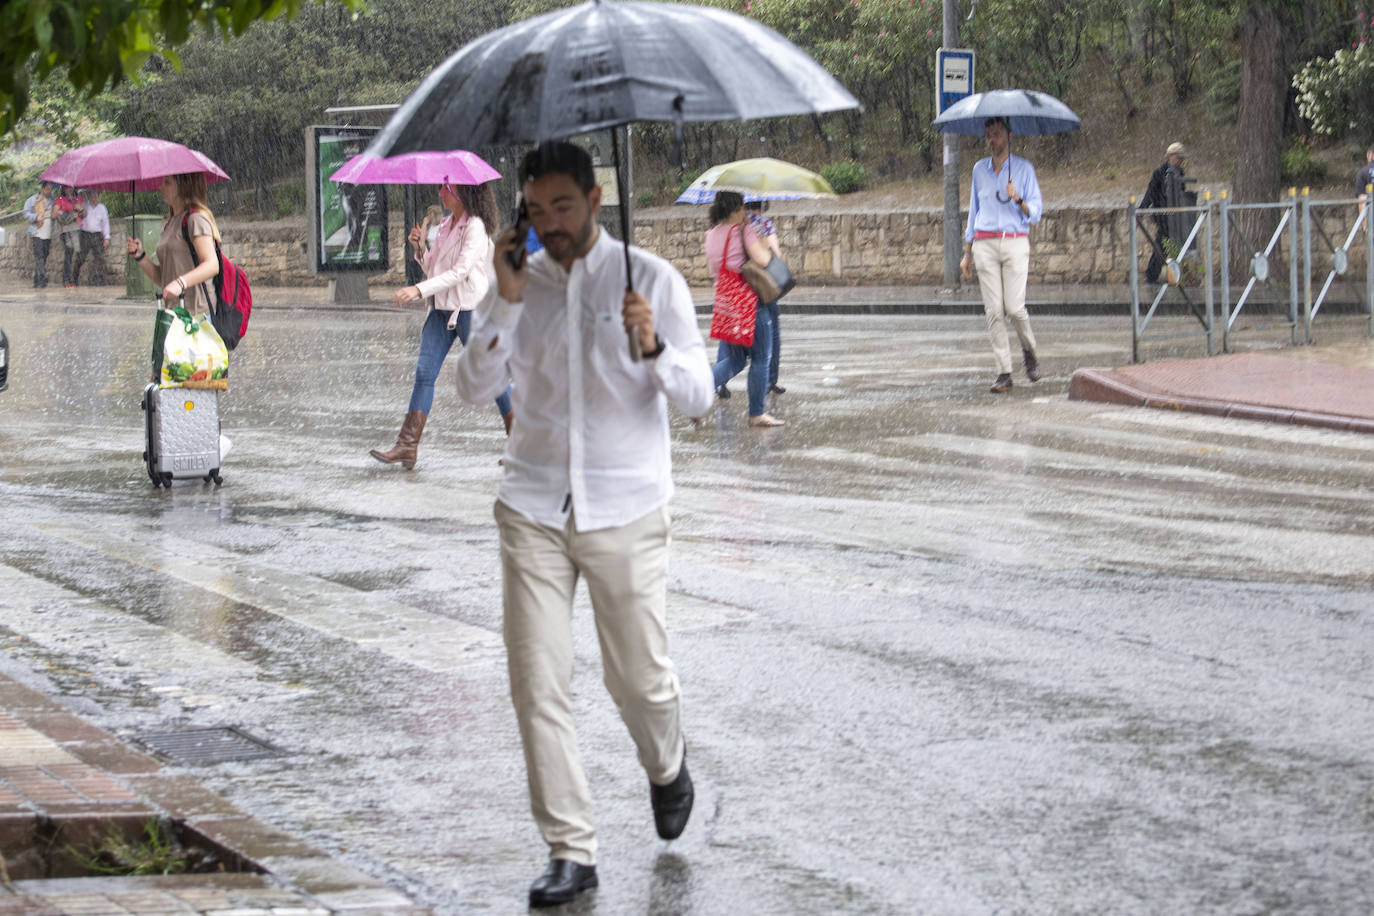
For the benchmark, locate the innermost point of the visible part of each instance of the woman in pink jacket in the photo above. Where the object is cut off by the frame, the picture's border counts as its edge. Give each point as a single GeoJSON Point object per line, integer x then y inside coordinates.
{"type": "Point", "coordinates": [460, 272]}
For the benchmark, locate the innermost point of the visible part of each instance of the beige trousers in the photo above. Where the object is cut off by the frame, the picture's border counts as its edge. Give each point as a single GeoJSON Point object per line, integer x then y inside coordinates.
{"type": "Point", "coordinates": [1002, 266]}
{"type": "Point", "coordinates": [626, 573]}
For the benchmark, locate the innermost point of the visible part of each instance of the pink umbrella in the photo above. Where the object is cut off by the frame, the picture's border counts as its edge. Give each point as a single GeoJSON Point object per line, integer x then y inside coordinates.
{"type": "Point", "coordinates": [129, 164]}
{"type": "Point", "coordinates": [452, 167]}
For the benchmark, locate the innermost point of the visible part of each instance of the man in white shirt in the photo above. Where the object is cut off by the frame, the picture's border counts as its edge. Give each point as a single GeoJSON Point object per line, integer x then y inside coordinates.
{"type": "Point", "coordinates": [95, 238]}
{"type": "Point", "coordinates": [38, 211]}
{"type": "Point", "coordinates": [586, 490]}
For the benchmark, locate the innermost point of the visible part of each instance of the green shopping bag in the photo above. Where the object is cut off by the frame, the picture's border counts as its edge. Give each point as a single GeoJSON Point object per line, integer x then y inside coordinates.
{"type": "Point", "coordinates": [161, 323]}
{"type": "Point", "coordinates": [193, 353]}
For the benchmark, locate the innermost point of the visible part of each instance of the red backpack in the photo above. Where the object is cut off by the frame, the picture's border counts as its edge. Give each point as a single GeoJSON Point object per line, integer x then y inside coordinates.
{"type": "Point", "coordinates": [232, 303]}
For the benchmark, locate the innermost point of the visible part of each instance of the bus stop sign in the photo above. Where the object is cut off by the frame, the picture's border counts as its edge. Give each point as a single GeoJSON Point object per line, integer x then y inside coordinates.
{"type": "Point", "coordinates": [953, 76]}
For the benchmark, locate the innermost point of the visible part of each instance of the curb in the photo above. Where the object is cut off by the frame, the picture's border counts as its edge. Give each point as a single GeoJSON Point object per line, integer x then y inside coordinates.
{"type": "Point", "coordinates": [1104, 386]}
{"type": "Point", "coordinates": [61, 776]}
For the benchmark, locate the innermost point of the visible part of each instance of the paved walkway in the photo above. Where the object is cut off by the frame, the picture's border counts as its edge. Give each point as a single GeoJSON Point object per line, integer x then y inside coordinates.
{"type": "Point", "coordinates": [65, 784]}
{"type": "Point", "coordinates": [1309, 386]}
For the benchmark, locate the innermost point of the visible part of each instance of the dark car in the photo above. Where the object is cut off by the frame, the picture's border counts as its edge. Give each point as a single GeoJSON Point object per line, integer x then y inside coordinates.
{"type": "Point", "coordinates": [4, 361]}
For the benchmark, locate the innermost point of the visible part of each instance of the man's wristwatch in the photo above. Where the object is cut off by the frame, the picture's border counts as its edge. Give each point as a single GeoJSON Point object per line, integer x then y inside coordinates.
{"type": "Point", "coordinates": [658, 348]}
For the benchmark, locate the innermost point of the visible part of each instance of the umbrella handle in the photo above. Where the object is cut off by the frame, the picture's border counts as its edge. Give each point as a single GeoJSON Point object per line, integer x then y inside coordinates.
{"type": "Point", "coordinates": [636, 351]}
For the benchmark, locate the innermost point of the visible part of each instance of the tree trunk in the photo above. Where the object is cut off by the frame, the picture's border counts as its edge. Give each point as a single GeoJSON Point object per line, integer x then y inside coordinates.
{"type": "Point", "coordinates": [1259, 124]}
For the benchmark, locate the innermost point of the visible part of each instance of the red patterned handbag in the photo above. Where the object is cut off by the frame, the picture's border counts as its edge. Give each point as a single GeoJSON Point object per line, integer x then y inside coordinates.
{"type": "Point", "coordinates": [735, 308]}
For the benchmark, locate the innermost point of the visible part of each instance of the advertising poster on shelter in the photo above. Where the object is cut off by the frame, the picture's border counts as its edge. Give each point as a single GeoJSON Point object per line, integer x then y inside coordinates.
{"type": "Point", "coordinates": [351, 218]}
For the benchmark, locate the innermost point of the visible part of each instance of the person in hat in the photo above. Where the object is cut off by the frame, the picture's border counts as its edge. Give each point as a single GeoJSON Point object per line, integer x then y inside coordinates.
{"type": "Point", "coordinates": [1164, 190]}
{"type": "Point", "coordinates": [38, 211]}
{"type": "Point", "coordinates": [588, 478]}
{"type": "Point", "coordinates": [1003, 204]}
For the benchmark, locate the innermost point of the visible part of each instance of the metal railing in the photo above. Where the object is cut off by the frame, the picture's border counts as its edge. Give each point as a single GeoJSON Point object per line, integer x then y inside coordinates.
{"type": "Point", "coordinates": [1339, 258]}
{"type": "Point", "coordinates": [1295, 217]}
{"type": "Point", "coordinates": [1259, 262]}
{"type": "Point", "coordinates": [1195, 220]}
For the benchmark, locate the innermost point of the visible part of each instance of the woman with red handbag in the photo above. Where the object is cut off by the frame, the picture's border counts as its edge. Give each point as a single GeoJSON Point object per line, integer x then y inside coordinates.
{"type": "Point", "coordinates": [736, 319]}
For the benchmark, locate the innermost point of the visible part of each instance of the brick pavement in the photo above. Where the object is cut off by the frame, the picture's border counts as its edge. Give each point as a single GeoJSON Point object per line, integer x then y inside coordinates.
{"type": "Point", "coordinates": [65, 784]}
{"type": "Point", "coordinates": [1330, 387]}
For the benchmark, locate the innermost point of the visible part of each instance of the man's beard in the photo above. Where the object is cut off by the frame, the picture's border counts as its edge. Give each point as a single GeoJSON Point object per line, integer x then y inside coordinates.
{"type": "Point", "coordinates": [562, 245]}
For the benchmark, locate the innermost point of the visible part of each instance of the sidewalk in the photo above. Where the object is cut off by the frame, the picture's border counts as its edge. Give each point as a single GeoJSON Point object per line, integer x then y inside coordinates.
{"type": "Point", "coordinates": [66, 784]}
{"type": "Point", "coordinates": [1329, 387]}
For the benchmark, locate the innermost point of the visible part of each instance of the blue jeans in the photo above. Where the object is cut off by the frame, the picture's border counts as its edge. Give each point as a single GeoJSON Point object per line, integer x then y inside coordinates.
{"type": "Point", "coordinates": [777, 343]}
{"type": "Point", "coordinates": [435, 341]}
{"type": "Point", "coordinates": [732, 358]}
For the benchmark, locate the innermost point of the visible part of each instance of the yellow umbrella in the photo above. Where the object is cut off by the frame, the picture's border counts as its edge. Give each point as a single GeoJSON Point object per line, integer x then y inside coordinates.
{"type": "Point", "coordinates": [757, 179]}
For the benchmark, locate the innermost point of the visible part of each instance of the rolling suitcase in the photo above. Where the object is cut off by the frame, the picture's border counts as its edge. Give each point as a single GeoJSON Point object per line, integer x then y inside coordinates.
{"type": "Point", "coordinates": [182, 434]}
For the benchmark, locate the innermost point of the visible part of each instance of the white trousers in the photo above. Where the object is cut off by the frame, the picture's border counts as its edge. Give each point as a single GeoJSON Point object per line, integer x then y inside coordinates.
{"type": "Point", "coordinates": [1002, 266]}
{"type": "Point", "coordinates": [626, 573]}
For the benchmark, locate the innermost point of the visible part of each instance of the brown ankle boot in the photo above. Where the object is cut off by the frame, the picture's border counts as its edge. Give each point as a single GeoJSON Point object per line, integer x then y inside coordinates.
{"type": "Point", "coordinates": [407, 442]}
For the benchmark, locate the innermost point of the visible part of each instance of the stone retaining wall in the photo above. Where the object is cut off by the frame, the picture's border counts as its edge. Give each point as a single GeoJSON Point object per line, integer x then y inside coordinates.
{"type": "Point", "coordinates": [836, 247]}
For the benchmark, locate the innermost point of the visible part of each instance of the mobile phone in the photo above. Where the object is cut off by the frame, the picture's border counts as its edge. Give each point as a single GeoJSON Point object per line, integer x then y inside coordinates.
{"type": "Point", "coordinates": [521, 221]}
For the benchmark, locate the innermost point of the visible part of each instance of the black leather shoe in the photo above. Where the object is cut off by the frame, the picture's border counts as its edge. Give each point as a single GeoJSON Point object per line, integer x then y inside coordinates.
{"type": "Point", "coordinates": [561, 882]}
{"type": "Point", "coordinates": [1032, 365]}
{"type": "Point", "coordinates": [1002, 385]}
{"type": "Point", "coordinates": [777, 389]}
{"type": "Point", "coordinates": [722, 392]}
{"type": "Point", "coordinates": [673, 803]}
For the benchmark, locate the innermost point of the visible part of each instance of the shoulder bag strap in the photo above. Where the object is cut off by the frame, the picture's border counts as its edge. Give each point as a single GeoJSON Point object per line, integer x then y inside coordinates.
{"type": "Point", "coordinates": [195, 259]}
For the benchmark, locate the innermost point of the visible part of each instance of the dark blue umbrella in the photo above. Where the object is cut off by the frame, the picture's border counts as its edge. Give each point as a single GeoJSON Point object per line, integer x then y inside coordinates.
{"type": "Point", "coordinates": [1030, 113]}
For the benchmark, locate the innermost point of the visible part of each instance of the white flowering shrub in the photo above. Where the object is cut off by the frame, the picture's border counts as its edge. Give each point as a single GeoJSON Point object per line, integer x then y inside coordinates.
{"type": "Point", "coordinates": [1336, 94]}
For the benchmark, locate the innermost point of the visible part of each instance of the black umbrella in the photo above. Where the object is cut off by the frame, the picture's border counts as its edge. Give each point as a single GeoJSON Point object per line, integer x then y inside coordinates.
{"type": "Point", "coordinates": [604, 64]}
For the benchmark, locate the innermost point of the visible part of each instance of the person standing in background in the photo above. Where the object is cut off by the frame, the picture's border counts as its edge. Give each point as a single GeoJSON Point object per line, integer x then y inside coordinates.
{"type": "Point", "coordinates": [1365, 176]}
{"type": "Point", "coordinates": [67, 216]}
{"type": "Point", "coordinates": [95, 238]}
{"type": "Point", "coordinates": [1003, 204]}
{"type": "Point", "coordinates": [38, 211]}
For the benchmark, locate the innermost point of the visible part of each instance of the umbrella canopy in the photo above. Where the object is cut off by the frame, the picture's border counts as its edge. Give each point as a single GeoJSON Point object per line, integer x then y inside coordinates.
{"type": "Point", "coordinates": [757, 179]}
{"type": "Point", "coordinates": [129, 164]}
{"type": "Point", "coordinates": [453, 167]}
{"type": "Point", "coordinates": [603, 64]}
{"type": "Point", "coordinates": [1030, 113]}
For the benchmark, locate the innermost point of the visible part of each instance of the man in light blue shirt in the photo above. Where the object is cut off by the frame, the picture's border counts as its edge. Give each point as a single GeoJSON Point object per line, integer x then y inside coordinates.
{"type": "Point", "coordinates": [1003, 203]}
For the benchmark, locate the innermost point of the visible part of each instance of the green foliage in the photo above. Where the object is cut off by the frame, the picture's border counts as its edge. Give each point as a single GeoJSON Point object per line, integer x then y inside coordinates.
{"type": "Point", "coordinates": [156, 853]}
{"type": "Point", "coordinates": [845, 176]}
{"type": "Point", "coordinates": [288, 197]}
{"type": "Point", "coordinates": [1300, 166]}
{"type": "Point", "coordinates": [1222, 98]}
{"type": "Point", "coordinates": [98, 43]}
{"type": "Point", "coordinates": [1031, 44]}
{"type": "Point", "coordinates": [270, 84]}
{"type": "Point", "coordinates": [880, 50]}
{"type": "Point", "coordinates": [1336, 94]}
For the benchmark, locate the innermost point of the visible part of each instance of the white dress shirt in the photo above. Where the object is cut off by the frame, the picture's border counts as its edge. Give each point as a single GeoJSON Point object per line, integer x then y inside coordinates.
{"type": "Point", "coordinates": [97, 220]}
{"type": "Point", "coordinates": [591, 426]}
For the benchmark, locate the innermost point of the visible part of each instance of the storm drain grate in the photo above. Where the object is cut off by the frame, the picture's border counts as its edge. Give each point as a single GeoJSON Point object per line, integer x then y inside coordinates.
{"type": "Point", "coordinates": [209, 745]}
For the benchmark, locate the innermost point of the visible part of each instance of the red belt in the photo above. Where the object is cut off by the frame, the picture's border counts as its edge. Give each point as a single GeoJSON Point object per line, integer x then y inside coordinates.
{"type": "Point", "coordinates": [998, 235]}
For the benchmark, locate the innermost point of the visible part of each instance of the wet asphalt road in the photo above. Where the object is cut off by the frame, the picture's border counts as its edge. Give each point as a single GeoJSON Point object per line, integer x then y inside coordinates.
{"type": "Point", "coordinates": [942, 652]}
